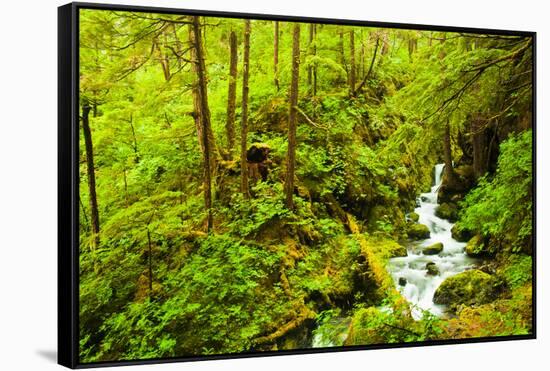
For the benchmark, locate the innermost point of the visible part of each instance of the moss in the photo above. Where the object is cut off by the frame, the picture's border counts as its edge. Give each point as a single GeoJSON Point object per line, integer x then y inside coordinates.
{"type": "Point", "coordinates": [447, 210]}
{"type": "Point", "coordinates": [472, 287]}
{"type": "Point", "coordinates": [377, 251]}
{"type": "Point", "coordinates": [460, 234]}
{"type": "Point", "coordinates": [418, 231]}
{"type": "Point", "coordinates": [476, 247]}
{"type": "Point", "coordinates": [432, 269]}
{"type": "Point", "coordinates": [414, 217]}
{"type": "Point", "coordinates": [502, 317]}
{"type": "Point", "coordinates": [398, 251]}
{"type": "Point", "coordinates": [434, 249]}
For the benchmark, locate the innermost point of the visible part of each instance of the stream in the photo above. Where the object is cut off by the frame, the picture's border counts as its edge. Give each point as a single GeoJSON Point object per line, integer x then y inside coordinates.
{"type": "Point", "coordinates": [420, 286]}
{"type": "Point", "coordinates": [417, 286]}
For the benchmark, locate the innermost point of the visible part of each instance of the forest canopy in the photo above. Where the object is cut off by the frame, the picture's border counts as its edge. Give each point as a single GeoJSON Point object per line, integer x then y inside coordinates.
{"type": "Point", "coordinates": [259, 185]}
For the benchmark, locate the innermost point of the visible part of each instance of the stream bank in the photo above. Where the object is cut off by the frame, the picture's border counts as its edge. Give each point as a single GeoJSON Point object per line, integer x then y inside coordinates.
{"type": "Point", "coordinates": [417, 275]}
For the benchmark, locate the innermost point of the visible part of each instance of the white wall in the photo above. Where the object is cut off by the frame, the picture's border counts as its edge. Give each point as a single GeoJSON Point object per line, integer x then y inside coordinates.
{"type": "Point", "coordinates": [28, 182]}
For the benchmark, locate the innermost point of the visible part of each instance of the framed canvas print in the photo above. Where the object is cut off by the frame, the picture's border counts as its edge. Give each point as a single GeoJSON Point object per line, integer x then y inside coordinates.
{"type": "Point", "coordinates": [235, 185]}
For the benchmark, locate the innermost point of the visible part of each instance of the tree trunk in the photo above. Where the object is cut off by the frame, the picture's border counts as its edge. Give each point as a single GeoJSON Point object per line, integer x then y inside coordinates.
{"type": "Point", "coordinates": [291, 157]}
{"type": "Point", "coordinates": [384, 39]}
{"type": "Point", "coordinates": [314, 87]}
{"type": "Point", "coordinates": [367, 75]}
{"type": "Point", "coordinates": [135, 144]}
{"type": "Point", "coordinates": [352, 61]}
{"type": "Point", "coordinates": [412, 47]}
{"type": "Point", "coordinates": [204, 115]}
{"type": "Point", "coordinates": [361, 68]}
{"type": "Point", "coordinates": [214, 154]}
{"type": "Point", "coordinates": [91, 173]}
{"type": "Point", "coordinates": [232, 93]}
{"type": "Point", "coordinates": [150, 262]}
{"type": "Point", "coordinates": [448, 158]}
{"type": "Point", "coordinates": [163, 59]}
{"type": "Point", "coordinates": [310, 45]}
{"type": "Point", "coordinates": [244, 113]}
{"type": "Point", "coordinates": [341, 51]}
{"type": "Point", "coordinates": [276, 56]}
{"type": "Point", "coordinates": [479, 146]}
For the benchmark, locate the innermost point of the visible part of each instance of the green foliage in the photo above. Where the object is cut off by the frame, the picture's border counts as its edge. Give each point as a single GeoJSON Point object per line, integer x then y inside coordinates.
{"type": "Point", "coordinates": [160, 285]}
{"type": "Point", "coordinates": [247, 216]}
{"type": "Point", "coordinates": [518, 270]}
{"type": "Point", "coordinates": [501, 207]}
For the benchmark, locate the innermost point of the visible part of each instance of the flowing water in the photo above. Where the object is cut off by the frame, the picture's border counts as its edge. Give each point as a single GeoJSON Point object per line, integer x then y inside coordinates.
{"type": "Point", "coordinates": [420, 286]}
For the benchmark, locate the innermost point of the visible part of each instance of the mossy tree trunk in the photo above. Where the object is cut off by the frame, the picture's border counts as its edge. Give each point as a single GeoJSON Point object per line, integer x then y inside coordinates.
{"type": "Point", "coordinates": [352, 75]}
{"type": "Point", "coordinates": [450, 174]}
{"type": "Point", "coordinates": [291, 156]}
{"type": "Point", "coordinates": [312, 69]}
{"type": "Point", "coordinates": [276, 56]}
{"type": "Point", "coordinates": [479, 146]}
{"type": "Point", "coordinates": [231, 93]}
{"type": "Point", "coordinates": [244, 113]}
{"type": "Point", "coordinates": [197, 113]}
{"type": "Point", "coordinates": [201, 97]}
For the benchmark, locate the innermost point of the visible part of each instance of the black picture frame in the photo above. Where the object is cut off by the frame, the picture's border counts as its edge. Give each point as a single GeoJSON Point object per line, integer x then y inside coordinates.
{"type": "Point", "coordinates": [68, 180]}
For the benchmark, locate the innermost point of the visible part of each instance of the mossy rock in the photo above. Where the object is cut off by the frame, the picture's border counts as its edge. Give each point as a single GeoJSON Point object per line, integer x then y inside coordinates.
{"type": "Point", "coordinates": [460, 234]}
{"type": "Point", "coordinates": [472, 287]}
{"type": "Point", "coordinates": [418, 231]}
{"type": "Point", "coordinates": [447, 211]}
{"type": "Point", "coordinates": [434, 249]}
{"type": "Point", "coordinates": [476, 247]}
{"type": "Point", "coordinates": [413, 217]}
{"type": "Point", "coordinates": [397, 250]}
{"type": "Point", "coordinates": [432, 269]}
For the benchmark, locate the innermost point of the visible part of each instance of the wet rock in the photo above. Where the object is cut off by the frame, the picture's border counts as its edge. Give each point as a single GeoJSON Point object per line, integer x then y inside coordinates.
{"type": "Point", "coordinates": [476, 247]}
{"type": "Point", "coordinates": [432, 268]}
{"type": "Point", "coordinates": [434, 249]}
{"type": "Point", "coordinates": [447, 210]}
{"type": "Point", "coordinates": [460, 234]}
{"type": "Point", "coordinates": [402, 281]}
{"type": "Point", "coordinates": [418, 232]}
{"type": "Point", "coordinates": [397, 250]}
{"type": "Point", "coordinates": [471, 287]}
{"type": "Point", "coordinates": [413, 217]}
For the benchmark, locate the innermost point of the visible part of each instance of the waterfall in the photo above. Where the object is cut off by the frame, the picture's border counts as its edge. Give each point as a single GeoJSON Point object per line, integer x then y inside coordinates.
{"type": "Point", "coordinates": [420, 286]}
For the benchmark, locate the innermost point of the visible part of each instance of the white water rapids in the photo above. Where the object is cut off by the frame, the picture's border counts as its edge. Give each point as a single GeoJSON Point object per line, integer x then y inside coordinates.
{"type": "Point", "coordinates": [420, 286]}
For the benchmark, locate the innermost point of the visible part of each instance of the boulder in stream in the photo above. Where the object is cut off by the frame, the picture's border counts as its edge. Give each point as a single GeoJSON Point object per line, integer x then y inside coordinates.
{"type": "Point", "coordinates": [397, 250]}
{"type": "Point", "coordinates": [447, 210]}
{"type": "Point", "coordinates": [402, 281]}
{"type": "Point", "coordinates": [472, 287]}
{"type": "Point", "coordinates": [432, 268]}
{"type": "Point", "coordinates": [418, 231]}
{"type": "Point", "coordinates": [434, 249]}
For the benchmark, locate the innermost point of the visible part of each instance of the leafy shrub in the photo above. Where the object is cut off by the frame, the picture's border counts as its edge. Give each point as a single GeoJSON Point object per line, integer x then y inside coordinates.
{"type": "Point", "coordinates": [502, 207]}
